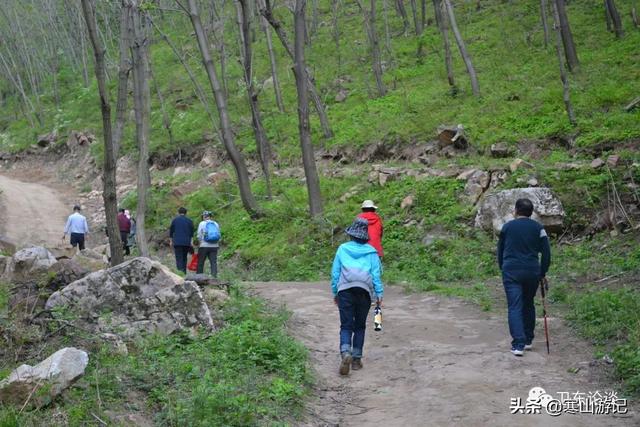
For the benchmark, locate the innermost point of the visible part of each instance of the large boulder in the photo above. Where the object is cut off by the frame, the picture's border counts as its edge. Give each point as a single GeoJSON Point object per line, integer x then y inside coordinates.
{"type": "Point", "coordinates": [476, 185]}
{"type": "Point", "coordinates": [137, 296]}
{"type": "Point", "coordinates": [498, 208]}
{"type": "Point", "coordinates": [64, 272]}
{"type": "Point", "coordinates": [40, 384]}
{"type": "Point", "coordinates": [31, 263]}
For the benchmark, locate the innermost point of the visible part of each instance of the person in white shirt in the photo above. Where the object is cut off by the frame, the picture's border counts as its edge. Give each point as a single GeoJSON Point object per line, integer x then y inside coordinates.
{"type": "Point", "coordinates": [207, 249]}
{"type": "Point", "coordinates": [77, 227]}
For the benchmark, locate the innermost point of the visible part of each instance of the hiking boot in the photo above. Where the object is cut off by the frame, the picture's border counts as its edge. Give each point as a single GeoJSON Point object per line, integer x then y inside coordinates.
{"type": "Point", "coordinates": [345, 365]}
{"type": "Point", "coordinates": [517, 352]}
{"type": "Point", "coordinates": [356, 364]}
{"type": "Point", "coordinates": [528, 346]}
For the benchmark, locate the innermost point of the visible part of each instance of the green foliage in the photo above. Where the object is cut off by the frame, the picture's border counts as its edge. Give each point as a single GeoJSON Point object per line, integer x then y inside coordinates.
{"type": "Point", "coordinates": [521, 94]}
{"type": "Point", "coordinates": [612, 317]}
{"type": "Point", "coordinates": [248, 373]}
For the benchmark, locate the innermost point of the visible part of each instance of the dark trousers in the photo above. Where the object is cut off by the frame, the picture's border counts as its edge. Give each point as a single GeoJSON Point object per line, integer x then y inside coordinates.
{"type": "Point", "coordinates": [181, 257]}
{"type": "Point", "coordinates": [354, 305]}
{"type": "Point", "coordinates": [520, 287]}
{"type": "Point", "coordinates": [77, 239]}
{"type": "Point", "coordinates": [124, 236]}
{"type": "Point", "coordinates": [212, 254]}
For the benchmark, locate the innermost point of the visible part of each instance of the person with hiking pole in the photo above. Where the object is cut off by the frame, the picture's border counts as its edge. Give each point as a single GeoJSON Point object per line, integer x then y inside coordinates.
{"type": "Point", "coordinates": [355, 282]}
{"type": "Point", "coordinates": [524, 256]}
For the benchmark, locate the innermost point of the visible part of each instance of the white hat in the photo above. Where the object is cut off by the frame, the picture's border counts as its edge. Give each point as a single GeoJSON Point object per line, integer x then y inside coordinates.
{"type": "Point", "coordinates": [368, 204]}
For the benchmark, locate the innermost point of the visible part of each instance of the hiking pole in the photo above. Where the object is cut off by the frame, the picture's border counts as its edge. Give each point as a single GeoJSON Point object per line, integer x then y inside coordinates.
{"type": "Point", "coordinates": [544, 287]}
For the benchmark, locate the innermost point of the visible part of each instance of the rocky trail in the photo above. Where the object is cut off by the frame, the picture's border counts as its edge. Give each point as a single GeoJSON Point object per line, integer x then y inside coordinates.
{"type": "Point", "coordinates": [31, 213]}
{"type": "Point", "coordinates": [438, 362]}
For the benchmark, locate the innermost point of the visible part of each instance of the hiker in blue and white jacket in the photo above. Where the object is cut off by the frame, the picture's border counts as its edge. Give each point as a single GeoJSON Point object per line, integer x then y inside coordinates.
{"type": "Point", "coordinates": [207, 248]}
{"type": "Point", "coordinates": [355, 282]}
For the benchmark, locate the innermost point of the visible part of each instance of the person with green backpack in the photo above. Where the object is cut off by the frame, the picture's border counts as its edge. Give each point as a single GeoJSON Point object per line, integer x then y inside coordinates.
{"type": "Point", "coordinates": [209, 238]}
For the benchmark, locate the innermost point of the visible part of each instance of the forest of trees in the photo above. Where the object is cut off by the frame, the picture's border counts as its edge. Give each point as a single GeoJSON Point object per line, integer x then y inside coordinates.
{"type": "Point", "coordinates": [45, 40]}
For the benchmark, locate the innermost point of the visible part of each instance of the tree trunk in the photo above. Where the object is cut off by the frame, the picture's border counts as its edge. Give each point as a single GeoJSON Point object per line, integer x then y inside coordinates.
{"type": "Point", "coordinates": [262, 142]}
{"type": "Point", "coordinates": [124, 68]}
{"type": "Point", "coordinates": [567, 38]}
{"type": "Point", "coordinates": [300, 71]}
{"type": "Point", "coordinates": [142, 107]}
{"type": "Point", "coordinates": [612, 11]}
{"type": "Point", "coordinates": [607, 17]}
{"type": "Point", "coordinates": [387, 30]}
{"type": "Point", "coordinates": [634, 17]}
{"type": "Point", "coordinates": [109, 167]}
{"type": "Point", "coordinates": [462, 48]}
{"type": "Point", "coordinates": [374, 44]}
{"type": "Point", "coordinates": [242, 174]}
{"type": "Point", "coordinates": [416, 20]}
{"type": "Point", "coordinates": [402, 11]}
{"type": "Point", "coordinates": [441, 21]}
{"type": "Point", "coordinates": [563, 71]}
{"type": "Point", "coordinates": [335, 32]}
{"type": "Point", "coordinates": [423, 14]}
{"type": "Point", "coordinates": [272, 60]}
{"type": "Point", "coordinates": [545, 24]}
{"type": "Point", "coordinates": [267, 12]}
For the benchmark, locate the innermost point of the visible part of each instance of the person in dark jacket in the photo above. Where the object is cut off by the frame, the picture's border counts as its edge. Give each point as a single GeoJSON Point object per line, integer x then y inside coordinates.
{"type": "Point", "coordinates": [524, 256]}
{"type": "Point", "coordinates": [180, 233]}
{"type": "Point", "coordinates": [124, 224]}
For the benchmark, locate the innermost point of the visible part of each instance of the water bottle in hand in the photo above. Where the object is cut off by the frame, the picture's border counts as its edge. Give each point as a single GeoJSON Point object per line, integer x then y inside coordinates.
{"type": "Point", "coordinates": [377, 318]}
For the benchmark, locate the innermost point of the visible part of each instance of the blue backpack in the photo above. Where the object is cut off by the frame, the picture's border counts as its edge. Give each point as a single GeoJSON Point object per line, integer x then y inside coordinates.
{"type": "Point", "coordinates": [211, 232]}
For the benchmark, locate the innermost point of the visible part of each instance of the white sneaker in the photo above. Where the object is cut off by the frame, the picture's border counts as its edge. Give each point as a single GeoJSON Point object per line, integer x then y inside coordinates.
{"type": "Point", "coordinates": [528, 347]}
{"type": "Point", "coordinates": [517, 352]}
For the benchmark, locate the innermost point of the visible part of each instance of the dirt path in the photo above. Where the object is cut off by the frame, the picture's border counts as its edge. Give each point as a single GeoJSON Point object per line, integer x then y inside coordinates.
{"type": "Point", "coordinates": [31, 213]}
{"type": "Point", "coordinates": [438, 362]}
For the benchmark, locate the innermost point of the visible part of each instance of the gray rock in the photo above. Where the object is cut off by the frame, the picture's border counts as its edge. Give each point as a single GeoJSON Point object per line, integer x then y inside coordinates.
{"type": "Point", "coordinates": [500, 150]}
{"type": "Point", "coordinates": [613, 160]}
{"type": "Point", "coordinates": [341, 95]}
{"type": "Point", "coordinates": [597, 163]}
{"type": "Point", "coordinates": [476, 185]}
{"type": "Point", "coordinates": [41, 383]}
{"type": "Point", "coordinates": [31, 263]}
{"type": "Point", "coordinates": [497, 208]}
{"type": "Point", "coordinates": [519, 164]}
{"type": "Point", "coordinates": [437, 233]}
{"type": "Point", "coordinates": [452, 135]}
{"type": "Point", "coordinates": [64, 272]}
{"type": "Point", "coordinates": [137, 296]}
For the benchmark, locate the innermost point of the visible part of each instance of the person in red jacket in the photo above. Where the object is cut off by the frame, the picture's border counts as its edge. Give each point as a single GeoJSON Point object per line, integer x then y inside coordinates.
{"type": "Point", "coordinates": [375, 225]}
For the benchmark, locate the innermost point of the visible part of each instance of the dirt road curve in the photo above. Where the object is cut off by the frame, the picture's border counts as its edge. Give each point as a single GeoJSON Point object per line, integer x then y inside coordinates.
{"type": "Point", "coordinates": [438, 362]}
{"type": "Point", "coordinates": [31, 213]}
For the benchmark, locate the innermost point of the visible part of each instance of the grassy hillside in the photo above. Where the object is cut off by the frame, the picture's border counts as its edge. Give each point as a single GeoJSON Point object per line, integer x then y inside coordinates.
{"type": "Point", "coordinates": [519, 80]}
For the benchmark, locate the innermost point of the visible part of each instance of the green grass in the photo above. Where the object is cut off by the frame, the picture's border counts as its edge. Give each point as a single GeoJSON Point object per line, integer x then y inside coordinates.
{"type": "Point", "coordinates": [611, 317]}
{"type": "Point", "coordinates": [250, 373]}
{"type": "Point", "coordinates": [521, 93]}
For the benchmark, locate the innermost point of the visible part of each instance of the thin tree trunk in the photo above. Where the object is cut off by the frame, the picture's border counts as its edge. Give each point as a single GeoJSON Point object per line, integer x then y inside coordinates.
{"type": "Point", "coordinates": [300, 70]}
{"type": "Point", "coordinates": [634, 17]}
{"type": "Point", "coordinates": [272, 60]}
{"type": "Point", "coordinates": [374, 44]}
{"type": "Point", "coordinates": [563, 72]}
{"type": "Point", "coordinates": [262, 142]}
{"type": "Point", "coordinates": [335, 32]}
{"type": "Point", "coordinates": [423, 14]}
{"type": "Point", "coordinates": [607, 16]}
{"type": "Point", "coordinates": [83, 53]}
{"type": "Point", "coordinates": [387, 30]}
{"type": "Point", "coordinates": [615, 18]}
{"type": "Point", "coordinates": [314, 17]}
{"type": "Point", "coordinates": [311, 86]}
{"type": "Point", "coordinates": [142, 107]}
{"type": "Point", "coordinates": [109, 172]}
{"type": "Point", "coordinates": [244, 184]}
{"type": "Point", "coordinates": [402, 11]}
{"type": "Point", "coordinates": [545, 25]}
{"type": "Point", "coordinates": [124, 68]}
{"type": "Point", "coordinates": [463, 50]}
{"type": "Point", "coordinates": [567, 38]}
{"type": "Point", "coordinates": [441, 21]}
{"type": "Point", "coordinates": [416, 20]}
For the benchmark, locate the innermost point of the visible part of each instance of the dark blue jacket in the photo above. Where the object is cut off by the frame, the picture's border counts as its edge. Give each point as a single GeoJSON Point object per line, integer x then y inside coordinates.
{"type": "Point", "coordinates": [521, 241]}
{"type": "Point", "coordinates": [181, 231]}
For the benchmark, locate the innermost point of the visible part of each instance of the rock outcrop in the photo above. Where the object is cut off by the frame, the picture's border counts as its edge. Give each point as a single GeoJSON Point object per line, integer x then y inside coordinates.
{"type": "Point", "coordinates": [497, 208]}
{"type": "Point", "coordinates": [31, 263]}
{"type": "Point", "coordinates": [40, 384]}
{"type": "Point", "coordinates": [135, 297]}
